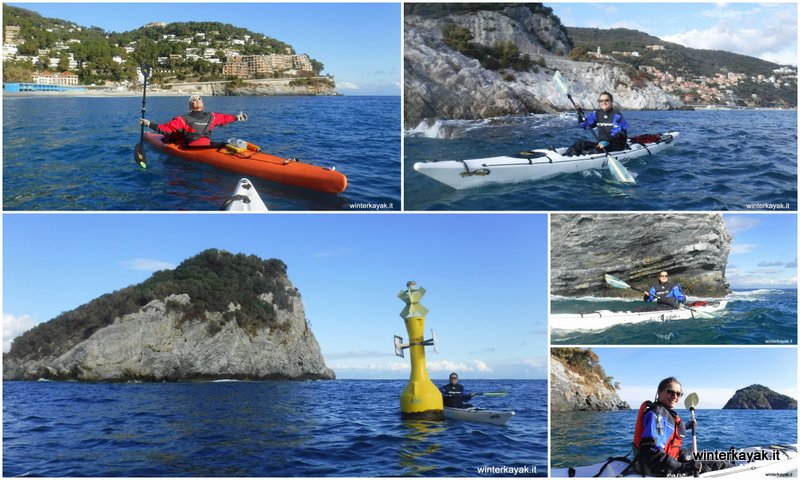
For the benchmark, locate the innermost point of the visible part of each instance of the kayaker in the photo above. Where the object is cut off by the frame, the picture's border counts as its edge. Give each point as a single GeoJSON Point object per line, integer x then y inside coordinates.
{"type": "Point", "coordinates": [612, 129]}
{"type": "Point", "coordinates": [658, 437]}
{"type": "Point", "coordinates": [193, 128]}
{"type": "Point", "coordinates": [665, 293]}
{"type": "Point", "coordinates": [454, 394]}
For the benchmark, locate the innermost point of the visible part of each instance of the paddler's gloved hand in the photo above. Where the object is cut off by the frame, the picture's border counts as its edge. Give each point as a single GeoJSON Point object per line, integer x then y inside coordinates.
{"type": "Point", "coordinates": [242, 117]}
{"type": "Point", "coordinates": [602, 145]}
{"type": "Point", "coordinates": [145, 122]}
{"type": "Point", "coordinates": [691, 467]}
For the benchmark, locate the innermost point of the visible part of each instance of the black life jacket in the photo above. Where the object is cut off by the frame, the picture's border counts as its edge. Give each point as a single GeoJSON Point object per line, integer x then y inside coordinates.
{"type": "Point", "coordinates": [452, 395]}
{"type": "Point", "coordinates": [200, 122]}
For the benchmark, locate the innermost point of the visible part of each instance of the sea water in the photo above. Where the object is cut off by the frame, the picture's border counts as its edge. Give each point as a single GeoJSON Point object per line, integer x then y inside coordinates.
{"type": "Point", "coordinates": [723, 160]}
{"type": "Point", "coordinates": [752, 317]}
{"type": "Point", "coordinates": [585, 438]}
{"type": "Point", "coordinates": [337, 428]}
{"type": "Point", "coordinates": [76, 153]}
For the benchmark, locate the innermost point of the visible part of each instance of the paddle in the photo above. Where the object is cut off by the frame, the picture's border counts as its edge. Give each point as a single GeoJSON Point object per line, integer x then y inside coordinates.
{"type": "Point", "coordinates": [690, 402]}
{"type": "Point", "coordinates": [617, 283]}
{"type": "Point", "coordinates": [138, 153]}
{"type": "Point", "coordinates": [492, 394]}
{"type": "Point", "coordinates": [619, 172]}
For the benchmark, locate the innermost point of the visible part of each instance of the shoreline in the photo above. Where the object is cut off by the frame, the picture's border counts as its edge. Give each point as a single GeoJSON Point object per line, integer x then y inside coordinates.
{"type": "Point", "coordinates": [101, 94]}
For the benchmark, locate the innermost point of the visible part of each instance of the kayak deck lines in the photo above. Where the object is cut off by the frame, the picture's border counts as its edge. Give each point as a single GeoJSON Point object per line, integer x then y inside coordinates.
{"type": "Point", "coordinates": [481, 415]}
{"type": "Point", "coordinates": [603, 319]}
{"type": "Point", "coordinates": [257, 164]}
{"type": "Point", "coordinates": [535, 164]}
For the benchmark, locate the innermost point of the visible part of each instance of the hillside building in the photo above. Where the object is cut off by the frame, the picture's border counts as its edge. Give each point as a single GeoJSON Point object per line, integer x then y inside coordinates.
{"type": "Point", "coordinates": [251, 66]}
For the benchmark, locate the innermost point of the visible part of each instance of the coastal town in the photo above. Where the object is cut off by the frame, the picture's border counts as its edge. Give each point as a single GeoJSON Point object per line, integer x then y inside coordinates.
{"type": "Point", "coordinates": [703, 89]}
{"type": "Point", "coordinates": [203, 56]}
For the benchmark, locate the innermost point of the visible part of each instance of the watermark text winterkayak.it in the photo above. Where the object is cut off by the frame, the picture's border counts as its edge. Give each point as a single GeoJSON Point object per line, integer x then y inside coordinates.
{"type": "Point", "coordinates": [525, 470]}
{"type": "Point", "coordinates": [768, 206]}
{"type": "Point", "coordinates": [733, 455]}
{"type": "Point", "coordinates": [372, 206]}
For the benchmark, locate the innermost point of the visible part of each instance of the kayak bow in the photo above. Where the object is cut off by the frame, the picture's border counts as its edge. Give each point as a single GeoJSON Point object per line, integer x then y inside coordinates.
{"type": "Point", "coordinates": [256, 164]}
{"type": "Point", "coordinates": [245, 199]}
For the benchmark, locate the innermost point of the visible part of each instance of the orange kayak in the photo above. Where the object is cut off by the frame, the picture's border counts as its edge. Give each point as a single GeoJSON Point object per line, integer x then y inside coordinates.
{"type": "Point", "coordinates": [256, 164]}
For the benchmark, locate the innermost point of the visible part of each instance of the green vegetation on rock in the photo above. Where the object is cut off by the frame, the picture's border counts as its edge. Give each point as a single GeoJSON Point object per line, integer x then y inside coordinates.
{"type": "Point", "coordinates": [213, 279]}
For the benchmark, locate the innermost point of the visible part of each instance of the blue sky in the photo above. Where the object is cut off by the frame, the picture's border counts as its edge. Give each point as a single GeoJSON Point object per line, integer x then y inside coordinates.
{"type": "Point", "coordinates": [763, 250]}
{"type": "Point", "coordinates": [485, 276]}
{"type": "Point", "coordinates": [764, 30]}
{"type": "Point", "coordinates": [706, 371]}
{"type": "Point", "coordinates": [359, 43]}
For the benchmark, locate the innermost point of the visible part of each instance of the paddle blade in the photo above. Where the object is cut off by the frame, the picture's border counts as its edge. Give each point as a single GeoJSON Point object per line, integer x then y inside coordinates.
{"type": "Point", "coordinates": [493, 394]}
{"type": "Point", "coordinates": [559, 81]}
{"type": "Point", "coordinates": [619, 172]}
{"type": "Point", "coordinates": [615, 282]}
{"type": "Point", "coordinates": [691, 400]}
{"type": "Point", "coordinates": [138, 156]}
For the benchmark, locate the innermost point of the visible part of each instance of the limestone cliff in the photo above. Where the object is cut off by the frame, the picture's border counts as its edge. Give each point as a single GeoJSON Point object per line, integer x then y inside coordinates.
{"type": "Point", "coordinates": [217, 315]}
{"type": "Point", "coordinates": [692, 248]}
{"type": "Point", "coordinates": [579, 383]}
{"type": "Point", "coordinates": [759, 397]}
{"type": "Point", "coordinates": [441, 82]}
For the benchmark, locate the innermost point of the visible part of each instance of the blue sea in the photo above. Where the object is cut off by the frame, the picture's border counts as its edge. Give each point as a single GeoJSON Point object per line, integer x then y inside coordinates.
{"type": "Point", "coordinates": [76, 153]}
{"type": "Point", "coordinates": [342, 428]}
{"type": "Point", "coordinates": [585, 438]}
{"type": "Point", "coordinates": [752, 317]}
{"type": "Point", "coordinates": [723, 160]}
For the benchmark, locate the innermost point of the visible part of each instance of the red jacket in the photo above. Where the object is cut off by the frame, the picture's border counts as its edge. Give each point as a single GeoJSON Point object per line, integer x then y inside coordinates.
{"type": "Point", "coordinates": [194, 128]}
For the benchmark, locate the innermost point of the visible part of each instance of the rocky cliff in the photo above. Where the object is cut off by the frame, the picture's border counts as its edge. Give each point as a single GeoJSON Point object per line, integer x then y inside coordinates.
{"type": "Point", "coordinates": [759, 397]}
{"type": "Point", "coordinates": [692, 248]}
{"type": "Point", "coordinates": [441, 82]}
{"type": "Point", "coordinates": [579, 383]}
{"type": "Point", "coordinates": [217, 315]}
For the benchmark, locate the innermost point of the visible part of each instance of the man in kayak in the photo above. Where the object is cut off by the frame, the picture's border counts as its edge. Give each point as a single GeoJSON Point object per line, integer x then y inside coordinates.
{"type": "Point", "coordinates": [658, 437]}
{"type": "Point", "coordinates": [612, 129]}
{"type": "Point", "coordinates": [665, 293]}
{"type": "Point", "coordinates": [194, 128]}
{"type": "Point", "coordinates": [453, 394]}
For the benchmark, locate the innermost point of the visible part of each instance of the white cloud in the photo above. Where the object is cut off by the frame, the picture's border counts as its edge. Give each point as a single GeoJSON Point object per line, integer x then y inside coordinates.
{"type": "Point", "coordinates": [13, 327]}
{"type": "Point", "coordinates": [347, 86]}
{"type": "Point", "coordinates": [148, 264]}
{"type": "Point", "coordinates": [743, 248]}
{"type": "Point", "coordinates": [752, 33]}
{"type": "Point", "coordinates": [449, 366]}
{"type": "Point", "coordinates": [737, 224]}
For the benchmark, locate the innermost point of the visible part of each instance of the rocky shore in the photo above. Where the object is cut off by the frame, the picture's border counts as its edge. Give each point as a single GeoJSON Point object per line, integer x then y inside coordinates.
{"type": "Point", "coordinates": [635, 248]}
{"type": "Point", "coordinates": [442, 83]}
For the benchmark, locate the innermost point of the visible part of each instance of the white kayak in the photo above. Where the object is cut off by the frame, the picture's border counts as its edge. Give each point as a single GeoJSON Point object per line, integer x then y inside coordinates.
{"type": "Point", "coordinates": [784, 465]}
{"type": "Point", "coordinates": [245, 198]}
{"type": "Point", "coordinates": [474, 414]}
{"type": "Point", "coordinates": [535, 164]}
{"type": "Point", "coordinates": [605, 319]}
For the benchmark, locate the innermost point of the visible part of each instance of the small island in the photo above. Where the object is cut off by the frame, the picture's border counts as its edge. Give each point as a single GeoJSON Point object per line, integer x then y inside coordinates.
{"type": "Point", "coordinates": [759, 397]}
{"type": "Point", "coordinates": [215, 316]}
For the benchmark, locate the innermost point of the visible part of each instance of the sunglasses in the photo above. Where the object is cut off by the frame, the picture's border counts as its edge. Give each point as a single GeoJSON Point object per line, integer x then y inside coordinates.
{"type": "Point", "coordinates": [604, 100]}
{"type": "Point", "coordinates": [673, 392]}
{"type": "Point", "coordinates": [663, 276]}
{"type": "Point", "coordinates": [195, 99]}
{"type": "Point", "coordinates": [453, 378]}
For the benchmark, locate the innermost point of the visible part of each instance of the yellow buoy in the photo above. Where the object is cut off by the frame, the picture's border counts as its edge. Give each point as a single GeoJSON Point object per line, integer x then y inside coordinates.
{"type": "Point", "coordinates": [420, 399]}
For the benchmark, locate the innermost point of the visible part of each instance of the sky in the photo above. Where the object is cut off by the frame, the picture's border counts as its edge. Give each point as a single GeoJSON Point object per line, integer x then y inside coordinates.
{"type": "Point", "coordinates": [764, 30]}
{"type": "Point", "coordinates": [359, 43]}
{"type": "Point", "coordinates": [485, 276]}
{"type": "Point", "coordinates": [763, 250]}
{"type": "Point", "coordinates": [709, 371]}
